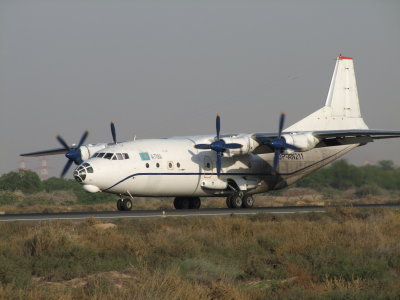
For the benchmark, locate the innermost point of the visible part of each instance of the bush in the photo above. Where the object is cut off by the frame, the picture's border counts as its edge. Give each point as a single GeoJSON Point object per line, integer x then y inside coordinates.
{"type": "Point", "coordinates": [23, 180]}
{"type": "Point", "coordinates": [341, 175]}
{"type": "Point", "coordinates": [367, 190]}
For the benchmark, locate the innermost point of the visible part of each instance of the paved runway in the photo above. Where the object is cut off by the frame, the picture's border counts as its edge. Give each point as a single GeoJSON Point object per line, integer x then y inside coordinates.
{"type": "Point", "coordinates": [143, 214]}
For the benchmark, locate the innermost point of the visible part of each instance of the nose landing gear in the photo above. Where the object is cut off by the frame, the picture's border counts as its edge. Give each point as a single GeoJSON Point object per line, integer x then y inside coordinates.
{"type": "Point", "coordinates": [124, 204]}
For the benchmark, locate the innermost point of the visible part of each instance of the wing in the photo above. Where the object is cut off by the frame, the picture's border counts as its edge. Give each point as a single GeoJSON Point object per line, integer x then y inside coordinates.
{"type": "Point", "coordinates": [347, 137]}
{"type": "Point", "coordinates": [328, 138]}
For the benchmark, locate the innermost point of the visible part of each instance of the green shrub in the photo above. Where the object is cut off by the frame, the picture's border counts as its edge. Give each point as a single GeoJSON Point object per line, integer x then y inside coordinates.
{"type": "Point", "coordinates": [367, 190]}
{"type": "Point", "coordinates": [23, 180]}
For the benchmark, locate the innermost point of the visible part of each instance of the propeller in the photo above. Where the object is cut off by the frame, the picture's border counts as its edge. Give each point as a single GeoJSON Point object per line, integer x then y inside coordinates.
{"type": "Point", "coordinates": [219, 145]}
{"type": "Point", "coordinates": [73, 153]}
{"type": "Point", "coordinates": [279, 144]}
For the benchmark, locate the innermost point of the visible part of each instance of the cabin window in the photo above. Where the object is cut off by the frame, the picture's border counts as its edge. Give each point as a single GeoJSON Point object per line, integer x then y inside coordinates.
{"type": "Point", "coordinates": [170, 165]}
{"type": "Point", "coordinates": [178, 165]}
{"type": "Point", "coordinates": [157, 165]}
{"type": "Point", "coordinates": [147, 165]}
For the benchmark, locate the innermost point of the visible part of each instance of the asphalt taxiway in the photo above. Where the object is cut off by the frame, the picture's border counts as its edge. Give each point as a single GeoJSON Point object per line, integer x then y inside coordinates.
{"type": "Point", "coordinates": [147, 214]}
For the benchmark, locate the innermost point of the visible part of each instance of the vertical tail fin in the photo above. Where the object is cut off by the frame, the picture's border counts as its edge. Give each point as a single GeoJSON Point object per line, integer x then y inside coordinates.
{"type": "Point", "coordinates": [342, 108]}
{"type": "Point", "coordinates": [343, 95]}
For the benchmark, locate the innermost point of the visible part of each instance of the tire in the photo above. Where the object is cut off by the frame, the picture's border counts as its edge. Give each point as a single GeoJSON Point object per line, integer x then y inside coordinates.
{"type": "Point", "coordinates": [186, 202]}
{"type": "Point", "coordinates": [195, 203]}
{"type": "Point", "coordinates": [236, 201]}
{"type": "Point", "coordinates": [228, 201]}
{"type": "Point", "coordinates": [127, 204]}
{"type": "Point", "coordinates": [120, 205]}
{"type": "Point", "coordinates": [248, 201]}
{"type": "Point", "coordinates": [178, 203]}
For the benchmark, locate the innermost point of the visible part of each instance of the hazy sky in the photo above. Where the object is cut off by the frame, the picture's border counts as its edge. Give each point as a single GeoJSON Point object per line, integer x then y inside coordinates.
{"type": "Point", "coordinates": [165, 68]}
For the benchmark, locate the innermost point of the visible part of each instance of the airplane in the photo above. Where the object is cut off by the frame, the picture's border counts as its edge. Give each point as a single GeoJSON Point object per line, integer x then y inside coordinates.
{"type": "Point", "coordinates": [234, 166]}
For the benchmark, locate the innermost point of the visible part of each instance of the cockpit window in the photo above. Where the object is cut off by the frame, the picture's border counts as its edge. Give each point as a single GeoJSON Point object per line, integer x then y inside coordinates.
{"type": "Point", "coordinates": [112, 156]}
{"type": "Point", "coordinates": [108, 155]}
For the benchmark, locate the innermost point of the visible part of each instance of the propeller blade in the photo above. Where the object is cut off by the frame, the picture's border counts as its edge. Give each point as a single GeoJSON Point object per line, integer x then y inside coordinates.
{"type": "Point", "coordinates": [46, 152]}
{"type": "Point", "coordinates": [66, 168]}
{"type": "Point", "coordinates": [219, 163]}
{"type": "Point", "coordinates": [83, 138]}
{"type": "Point", "coordinates": [292, 147]}
{"type": "Point", "coordinates": [113, 132]}
{"type": "Point", "coordinates": [62, 142]}
{"type": "Point", "coordinates": [202, 146]}
{"type": "Point", "coordinates": [281, 122]}
{"type": "Point", "coordinates": [233, 146]}
{"type": "Point", "coordinates": [218, 125]}
{"type": "Point", "coordinates": [276, 160]}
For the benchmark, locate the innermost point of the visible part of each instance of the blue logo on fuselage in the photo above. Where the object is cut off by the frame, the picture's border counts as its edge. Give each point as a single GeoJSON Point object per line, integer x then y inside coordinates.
{"type": "Point", "coordinates": [144, 156]}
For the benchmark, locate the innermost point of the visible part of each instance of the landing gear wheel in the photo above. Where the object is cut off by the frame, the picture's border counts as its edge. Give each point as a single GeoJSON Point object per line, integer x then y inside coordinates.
{"type": "Point", "coordinates": [127, 204]}
{"type": "Point", "coordinates": [120, 204]}
{"type": "Point", "coordinates": [178, 203]}
{"type": "Point", "coordinates": [236, 200]}
{"type": "Point", "coordinates": [195, 203]}
{"type": "Point", "coordinates": [248, 201]}
{"type": "Point", "coordinates": [228, 201]}
{"type": "Point", "coordinates": [187, 203]}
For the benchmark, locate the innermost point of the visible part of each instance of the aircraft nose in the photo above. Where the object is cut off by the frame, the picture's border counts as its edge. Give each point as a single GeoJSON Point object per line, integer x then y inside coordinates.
{"type": "Point", "coordinates": [81, 172]}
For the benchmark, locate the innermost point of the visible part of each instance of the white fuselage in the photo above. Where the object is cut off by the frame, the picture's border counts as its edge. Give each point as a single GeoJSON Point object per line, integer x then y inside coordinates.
{"type": "Point", "coordinates": [174, 167]}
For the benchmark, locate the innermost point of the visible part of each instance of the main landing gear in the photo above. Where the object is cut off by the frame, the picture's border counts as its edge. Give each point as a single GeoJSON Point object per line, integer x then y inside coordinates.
{"type": "Point", "coordinates": [124, 204]}
{"type": "Point", "coordinates": [187, 202]}
{"type": "Point", "coordinates": [238, 200]}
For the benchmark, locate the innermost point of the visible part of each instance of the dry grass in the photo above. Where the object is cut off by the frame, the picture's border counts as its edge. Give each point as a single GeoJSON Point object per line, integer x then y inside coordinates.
{"type": "Point", "coordinates": [346, 253]}
{"type": "Point", "coordinates": [63, 201]}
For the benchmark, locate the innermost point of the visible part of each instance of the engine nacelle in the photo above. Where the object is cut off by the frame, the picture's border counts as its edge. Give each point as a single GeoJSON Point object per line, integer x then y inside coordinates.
{"type": "Point", "coordinates": [88, 150]}
{"type": "Point", "coordinates": [215, 184]}
{"type": "Point", "coordinates": [246, 141]}
{"type": "Point", "coordinates": [303, 141]}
